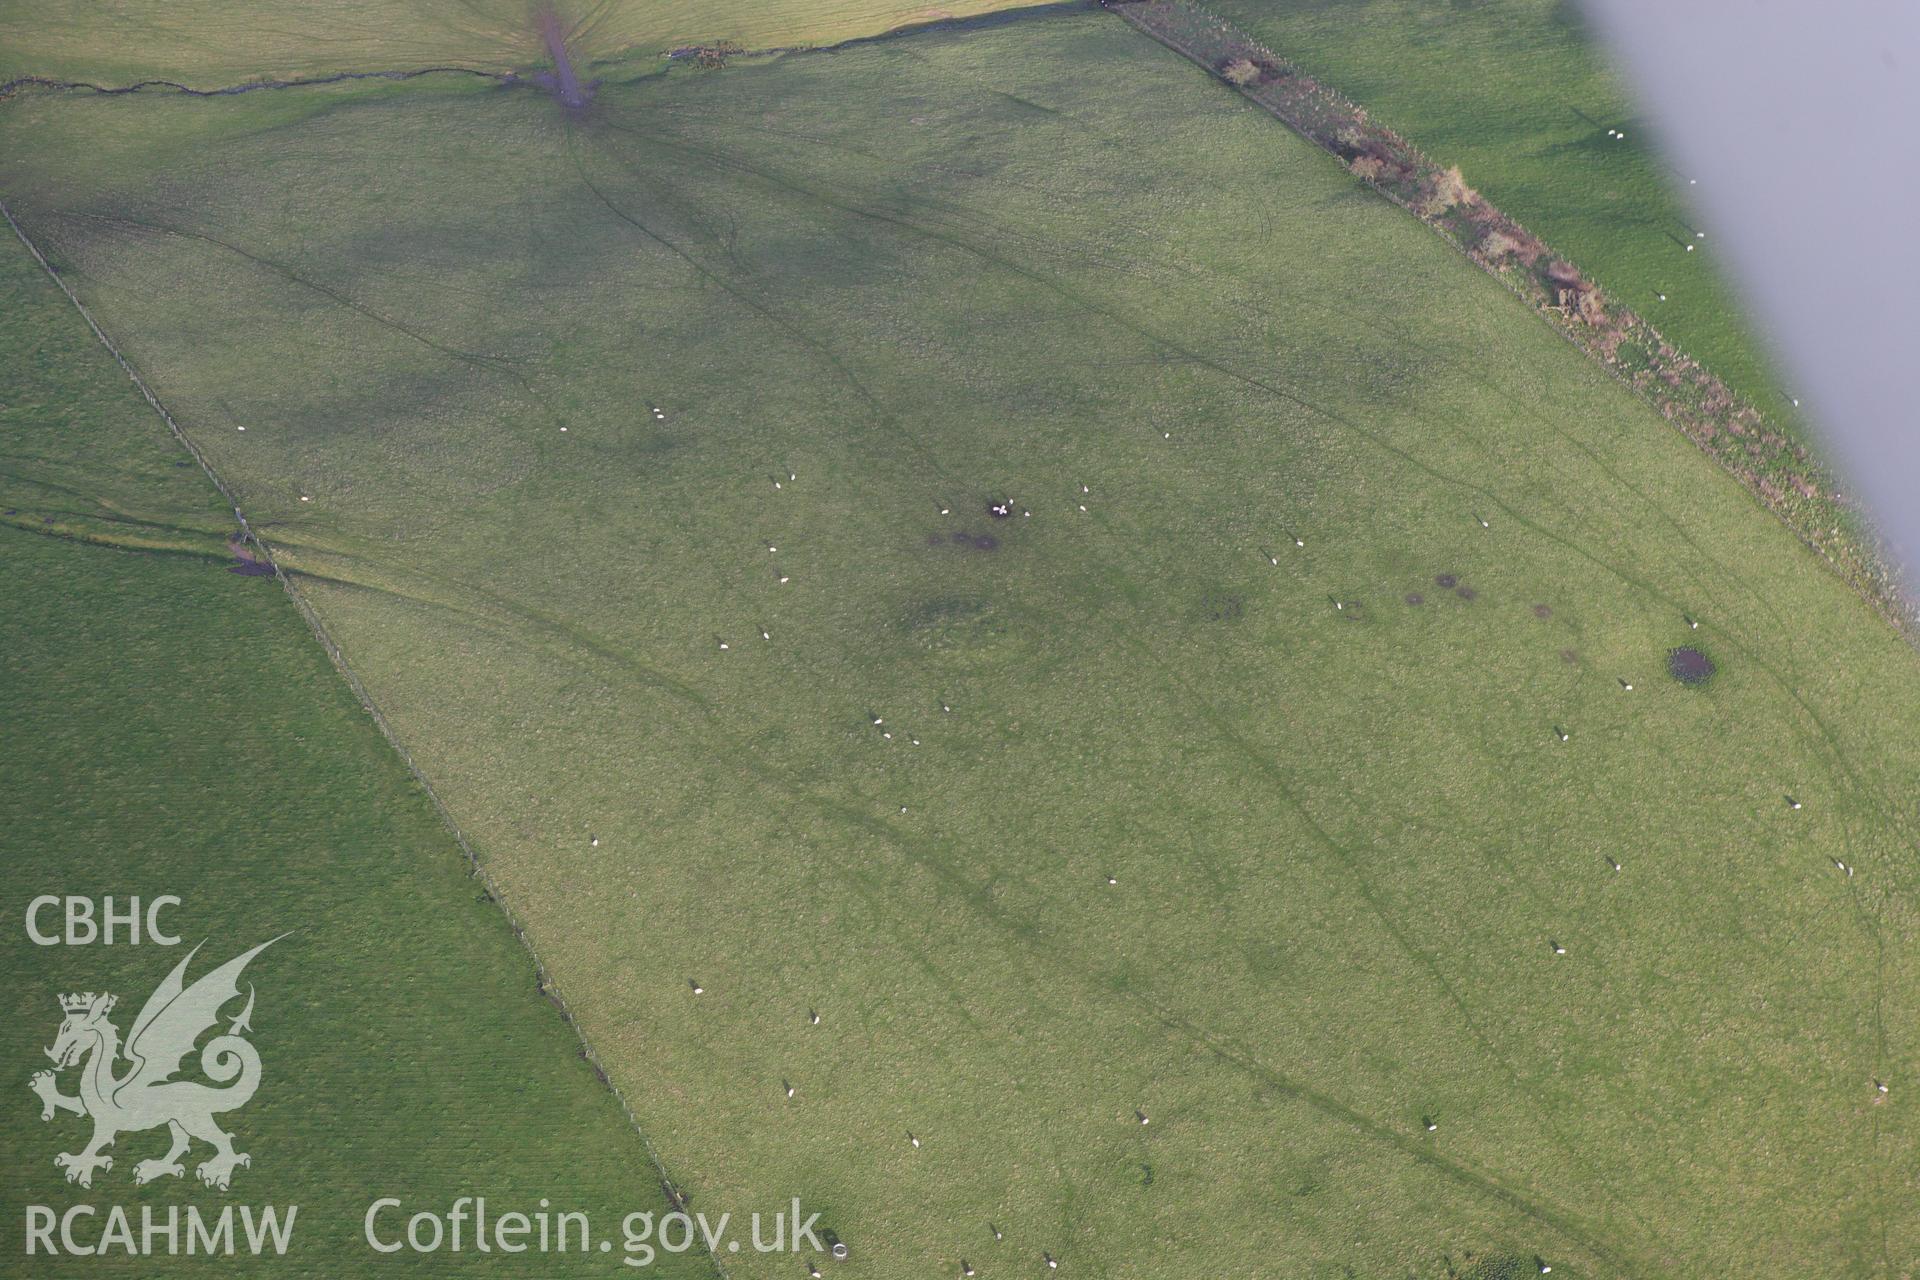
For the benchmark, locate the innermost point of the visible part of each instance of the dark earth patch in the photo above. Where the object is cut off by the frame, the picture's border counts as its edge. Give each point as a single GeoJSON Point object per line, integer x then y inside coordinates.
{"type": "Point", "coordinates": [1570, 656]}
{"type": "Point", "coordinates": [1689, 666]}
{"type": "Point", "coordinates": [1446, 580]}
{"type": "Point", "coordinates": [1414, 597]}
{"type": "Point", "coordinates": [251, 568]}
{"type": "Point", "coordinates": [1466, 593]}
{"type": "Point", "coordinates": [1542, 611]}
{"type": "Point", "coordinates": [1219, 606]}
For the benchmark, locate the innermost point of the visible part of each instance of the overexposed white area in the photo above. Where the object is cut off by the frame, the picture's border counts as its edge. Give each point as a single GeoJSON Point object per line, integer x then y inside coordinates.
{"type": "Point", "coordinates": [1795, 121]}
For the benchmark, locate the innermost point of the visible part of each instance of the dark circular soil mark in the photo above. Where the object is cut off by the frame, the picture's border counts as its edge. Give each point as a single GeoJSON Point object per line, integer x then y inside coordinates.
{"type": "Point", "coordinates": [1446, 580]}
{"type": "Point", "coordinates": [1570, 656]}
{"type": "Point", "coordinates": [935, 540]}
{"type": "Point", "coordinates": [1466, 593]}
{"type": "Point", "coordinates": [1689, 666]}
{"type": "Point", "coordinates": [1414, 597]}
{"type": "Point", "coordinates": [1542, 611]}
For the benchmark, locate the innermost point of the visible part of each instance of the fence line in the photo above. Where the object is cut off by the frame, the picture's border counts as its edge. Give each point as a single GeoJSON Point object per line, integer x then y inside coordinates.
{"type": "Point", "coordinates": [1865, 565]}
{"type": "Point", "coordinates": [475, 867]}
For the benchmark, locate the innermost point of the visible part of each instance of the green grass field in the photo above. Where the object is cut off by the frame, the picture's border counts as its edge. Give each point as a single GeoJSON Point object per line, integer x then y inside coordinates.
{"type": "Point", "coordinates": [1521, 95]}
{"type": "Point", "coordinates": [210, 45]}
{"type": "Point", "coordinates": [170, 727]}
{"type": "Point", "coordinates": [640, 463]}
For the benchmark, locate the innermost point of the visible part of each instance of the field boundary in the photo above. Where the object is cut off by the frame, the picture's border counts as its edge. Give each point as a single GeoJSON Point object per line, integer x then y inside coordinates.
{"type": "Point", "coordinates": [10, 87]}
{"type": "Point", "coordinates": [1785, 477]}
{"type": "Point", "coordinates": [475, 868]}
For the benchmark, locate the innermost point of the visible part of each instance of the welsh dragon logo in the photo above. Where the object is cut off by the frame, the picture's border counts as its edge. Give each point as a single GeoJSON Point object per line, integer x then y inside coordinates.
{"type": "Point", "coordinates": [145, 1095]}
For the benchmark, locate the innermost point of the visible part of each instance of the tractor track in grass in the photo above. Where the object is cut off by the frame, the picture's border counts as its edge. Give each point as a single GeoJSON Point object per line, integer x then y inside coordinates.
{"type": "Point", "coordinates": [1363, 887]}
{"type": "Point", "coordinates": [788, 786]}
{"type": "Point", "coordinates": [476, 868]}
{"type": "Point", "coordinates": [796, 331]}
{"type": "Point", "coordinates": [1858, 559]}
{"type": "Point", "coordinates": [1818, 737]}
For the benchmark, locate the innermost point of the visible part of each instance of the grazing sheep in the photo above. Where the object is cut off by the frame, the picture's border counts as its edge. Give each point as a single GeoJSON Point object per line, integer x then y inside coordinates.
{"type": "Point", "coordinates": [813, 1017]}
{"type": "Point", "coordinates": [697, 988]}
{"type": "Point", "coordinates": [915, 1141]}
{"type": "Point", "coordinates": [1557, 948]}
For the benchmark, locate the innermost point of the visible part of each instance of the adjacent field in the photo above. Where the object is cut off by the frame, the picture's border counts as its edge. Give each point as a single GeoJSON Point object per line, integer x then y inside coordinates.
{"type": "Point", "coordinates": [640, 460]}
{"type": "Point", "coordinates": [207, 44]}
{"type": "Point", "coordinates": [170, 727]}
{"type": "Point", "coordinates": [1521, 95]}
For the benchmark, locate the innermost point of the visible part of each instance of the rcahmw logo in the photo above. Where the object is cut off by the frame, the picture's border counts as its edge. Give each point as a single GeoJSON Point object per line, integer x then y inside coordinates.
{"type": "Point", "coordinates": [134, 1085]}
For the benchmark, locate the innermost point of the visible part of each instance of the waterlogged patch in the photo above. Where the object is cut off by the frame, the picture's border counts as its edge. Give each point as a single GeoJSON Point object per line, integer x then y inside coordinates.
{"type": "Point", "coordinates": [1222, 606]}
{"type": "Point", "coordinates": [1690, 666]}
{"type": "Point", "coordinates": [962, 627]}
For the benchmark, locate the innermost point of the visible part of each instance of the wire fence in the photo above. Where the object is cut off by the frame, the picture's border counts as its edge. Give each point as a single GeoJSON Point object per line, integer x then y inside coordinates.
{"type": "Point", "coordinates": [543, 976]}
{"type": "Point", "coordinates": [1689, 397]}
